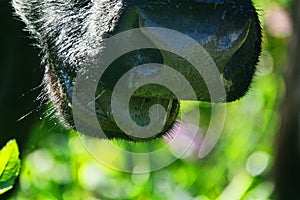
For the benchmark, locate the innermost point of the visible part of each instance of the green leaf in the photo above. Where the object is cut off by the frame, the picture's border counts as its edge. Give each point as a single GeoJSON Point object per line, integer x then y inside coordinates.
{"type": "Point", "coordinates": [10, 165]}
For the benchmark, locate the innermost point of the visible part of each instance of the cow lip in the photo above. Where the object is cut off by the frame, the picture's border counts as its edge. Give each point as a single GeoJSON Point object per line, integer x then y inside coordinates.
{"type": "Point", "coordinates": [102, 103]}
{"type": "Point", "coordinates": [103, 111]}
{"type": "Point", "coordinates": [108, 124]}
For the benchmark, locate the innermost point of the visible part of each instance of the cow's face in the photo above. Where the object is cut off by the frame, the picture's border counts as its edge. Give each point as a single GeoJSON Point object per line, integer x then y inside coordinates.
{"type": "Point", "coordinates": [71, 32]}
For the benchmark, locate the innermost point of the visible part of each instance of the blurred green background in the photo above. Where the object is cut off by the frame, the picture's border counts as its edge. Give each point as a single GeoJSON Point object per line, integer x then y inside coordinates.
{"type": "Point", "coordinates": [55, 164]}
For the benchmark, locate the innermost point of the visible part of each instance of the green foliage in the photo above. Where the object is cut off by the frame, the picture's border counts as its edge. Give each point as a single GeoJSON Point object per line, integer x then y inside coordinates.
{"type": "Point", "coordinates": [9, 166]}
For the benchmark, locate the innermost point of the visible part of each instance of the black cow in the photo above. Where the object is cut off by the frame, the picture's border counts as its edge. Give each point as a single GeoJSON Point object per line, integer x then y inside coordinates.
{"type": "Point", "coordinates": [68, 32]}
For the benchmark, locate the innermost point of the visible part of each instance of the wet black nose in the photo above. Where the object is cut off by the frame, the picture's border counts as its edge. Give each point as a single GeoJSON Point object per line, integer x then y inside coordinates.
{"type": "Point", "coordinates": [228, 30]}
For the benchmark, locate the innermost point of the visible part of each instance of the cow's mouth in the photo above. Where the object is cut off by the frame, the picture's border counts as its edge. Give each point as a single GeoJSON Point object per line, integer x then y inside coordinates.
{"type": "Point", "coordinates": [229, 33]}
